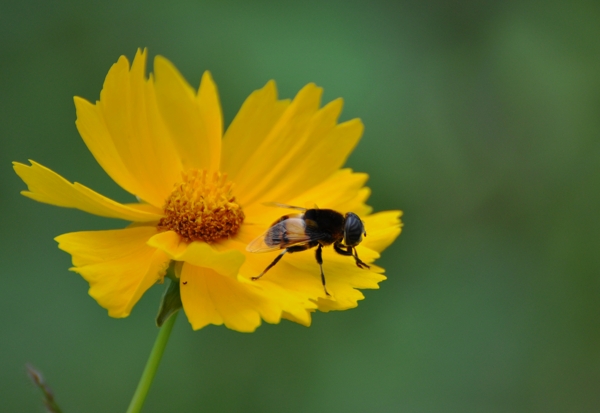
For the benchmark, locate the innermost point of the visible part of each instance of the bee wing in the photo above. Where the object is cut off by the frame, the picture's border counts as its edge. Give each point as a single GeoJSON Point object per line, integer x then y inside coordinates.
{"type": "Point", "coordinates": [291, 231]}
{"type": "Point", "coordinates": [279, 205]}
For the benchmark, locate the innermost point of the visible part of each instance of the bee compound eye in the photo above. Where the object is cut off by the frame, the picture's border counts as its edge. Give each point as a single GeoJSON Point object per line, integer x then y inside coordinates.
{"type": "Point", "coordinates": [353, 230]}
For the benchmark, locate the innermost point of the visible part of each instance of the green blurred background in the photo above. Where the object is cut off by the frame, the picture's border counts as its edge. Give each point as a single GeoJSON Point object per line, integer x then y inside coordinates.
{"type": "Point", "coordinates": [482, 124]}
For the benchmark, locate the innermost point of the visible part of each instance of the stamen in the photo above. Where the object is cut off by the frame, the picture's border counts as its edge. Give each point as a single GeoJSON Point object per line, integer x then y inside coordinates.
{"type": "Point", "coordinates": [202, 208]}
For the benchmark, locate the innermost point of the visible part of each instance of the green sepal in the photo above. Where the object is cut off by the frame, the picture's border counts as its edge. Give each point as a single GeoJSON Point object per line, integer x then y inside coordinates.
{"type": "Point", "coordinates": [170, 303]}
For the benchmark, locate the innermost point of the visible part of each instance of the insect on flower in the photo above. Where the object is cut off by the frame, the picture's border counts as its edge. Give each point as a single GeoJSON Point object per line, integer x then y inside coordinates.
{"type": "Point", "coordinates": [313, 228]}
{"type": "Point", "coordinates": [200, 190]}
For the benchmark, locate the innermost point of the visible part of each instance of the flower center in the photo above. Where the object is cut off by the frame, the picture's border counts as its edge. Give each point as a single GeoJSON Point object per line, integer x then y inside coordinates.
{"type": "Point", "coordinates": [202, 208]}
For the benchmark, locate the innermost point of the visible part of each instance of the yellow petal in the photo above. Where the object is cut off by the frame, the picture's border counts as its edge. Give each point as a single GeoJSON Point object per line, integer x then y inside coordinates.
{"type": "Point", "coordinates": [295, 291]}
{"type": "Point", "coordinates": [295, 304]}
{"type": "Point", "coordinates": [296, 273]}
{"type": "Point", "coordinates": [321, 159]}
{"type": "Point", "coordinates": [348, 298]}
{"type": "Point", "coordinates": [47, 186]}
{"type": "Point", "coordinates": [126, 135]}
{"type": "Point", "coordinates": [211, 298]}
{"type": "Point", "coordinates": [343, 191]}
{"type": "Point", "coordinates": [344, 279]}
{"type": "Point", "coordinates": [382, 229]}
{"type": "Point", "coordinates": [304, 319]}
{"type": "Point", "coordinates": [202, 254]}
{"type": "Point", "coordinates": [118, 265]}
{"type": "Point", "coordinates": [284, 138]}
{"type": "Point", "coordinates": [292, 151]}
{"type": "Point", "coordinates": [300, 272]}
{"type": "Point", "coordinates": [316, 158]}
{"type": "Point", "coordinates": [257, 116]}
{"type": "Point", "coordinates": [195, 122]}
{"type": "Point", "coordinates": [209, 107]}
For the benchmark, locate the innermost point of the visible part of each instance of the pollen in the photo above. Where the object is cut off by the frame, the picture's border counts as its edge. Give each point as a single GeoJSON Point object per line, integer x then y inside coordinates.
{"type": "Point", "coordinates": [202, 208]}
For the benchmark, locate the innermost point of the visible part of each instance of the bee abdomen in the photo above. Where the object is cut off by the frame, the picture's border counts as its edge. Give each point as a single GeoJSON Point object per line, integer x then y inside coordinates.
{"type": "Point", "coordinates": [277, 235]}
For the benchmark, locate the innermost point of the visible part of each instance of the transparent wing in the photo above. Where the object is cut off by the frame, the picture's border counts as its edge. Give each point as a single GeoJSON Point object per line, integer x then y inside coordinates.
{"type": "Point", "coordinates": [279, 205]}
{"type": "Point", "coordinates": [290, 231]}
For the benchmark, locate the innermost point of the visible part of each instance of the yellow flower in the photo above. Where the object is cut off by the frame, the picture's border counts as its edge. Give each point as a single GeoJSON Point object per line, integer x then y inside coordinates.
{"type": "Point", "coordinates": [200, 197]}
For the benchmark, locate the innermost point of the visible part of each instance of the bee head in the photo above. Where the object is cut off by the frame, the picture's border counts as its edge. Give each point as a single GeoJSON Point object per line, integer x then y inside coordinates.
{"type": "Point", "coordinates": [353, 230]}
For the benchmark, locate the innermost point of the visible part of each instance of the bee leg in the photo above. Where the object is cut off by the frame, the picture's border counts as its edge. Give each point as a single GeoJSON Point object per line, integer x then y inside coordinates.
{"type": "Point", "coordinates": [350, 251]}
{"type": "Point", "coordinates": [319, 256]}
{"type": "Point", "coordinates": [340, 249]}
{"type": "Point", "coordinates": [359, 263]}
{"type": "Point", "coordinates": [294, 248]}
{"type": "Point", "coordinates": [275, 261]}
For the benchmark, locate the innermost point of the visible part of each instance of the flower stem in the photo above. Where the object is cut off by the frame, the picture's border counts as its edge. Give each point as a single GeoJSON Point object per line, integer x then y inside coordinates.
{"type": "Point", "coordinates": [152, 365]}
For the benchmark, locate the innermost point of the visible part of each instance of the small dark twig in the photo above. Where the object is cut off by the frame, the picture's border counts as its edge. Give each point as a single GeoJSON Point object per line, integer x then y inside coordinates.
{"type": "Point", "coordinates": [38, 380]}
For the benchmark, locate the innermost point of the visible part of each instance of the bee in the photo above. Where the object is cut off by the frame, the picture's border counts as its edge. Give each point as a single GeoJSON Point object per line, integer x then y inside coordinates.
{"type": "Point", "coordinates": [312, 228]}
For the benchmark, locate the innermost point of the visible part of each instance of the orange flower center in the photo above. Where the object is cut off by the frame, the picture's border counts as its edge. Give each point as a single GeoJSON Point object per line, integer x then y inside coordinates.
{"type": "Point", "coordinates": [202, 208]}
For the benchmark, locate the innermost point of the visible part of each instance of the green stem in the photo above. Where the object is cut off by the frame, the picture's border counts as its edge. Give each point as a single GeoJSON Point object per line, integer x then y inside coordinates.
{"type": "Point", "coordinates": [152, 365]}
